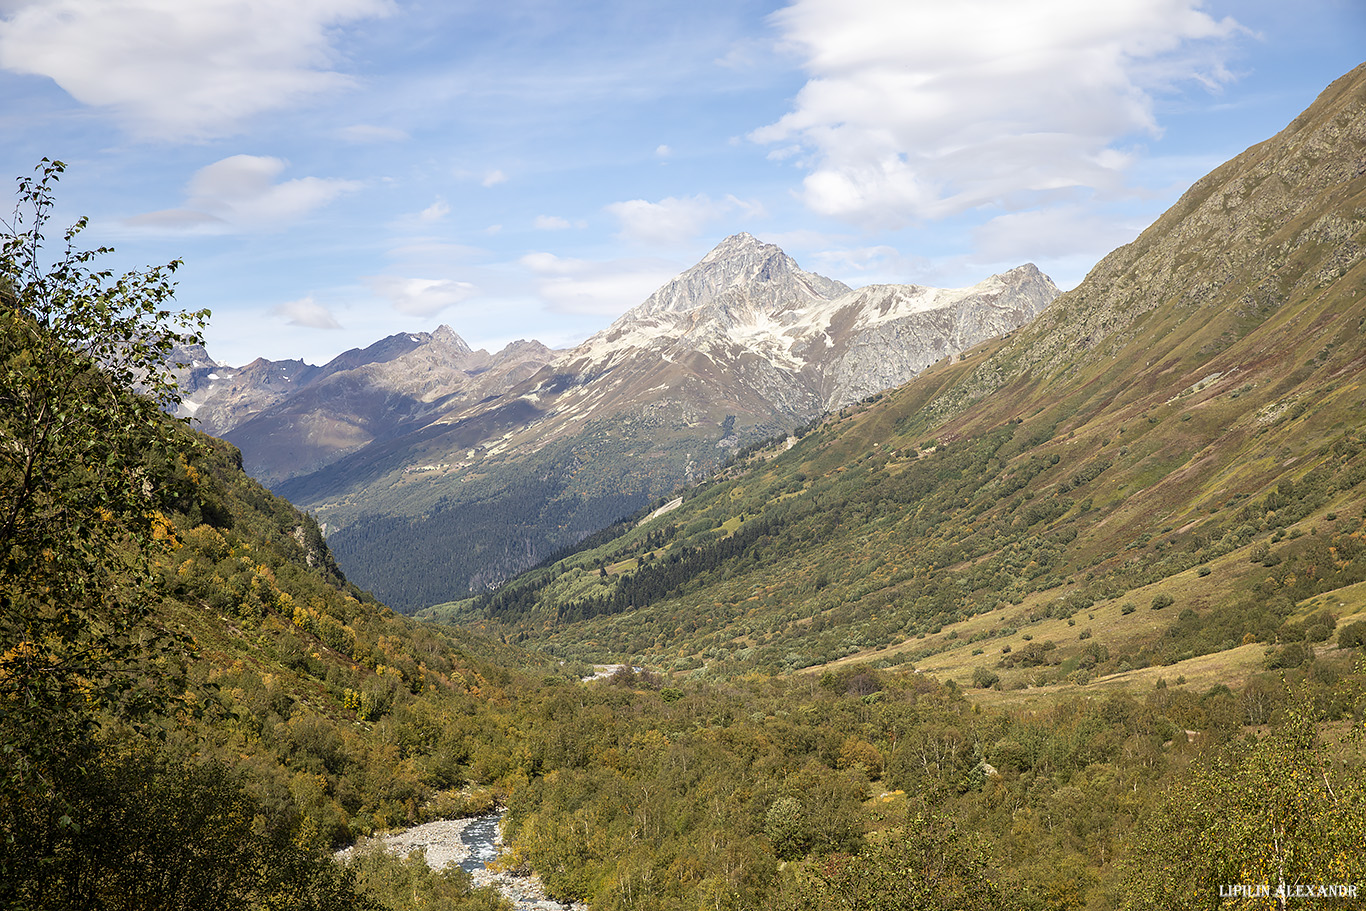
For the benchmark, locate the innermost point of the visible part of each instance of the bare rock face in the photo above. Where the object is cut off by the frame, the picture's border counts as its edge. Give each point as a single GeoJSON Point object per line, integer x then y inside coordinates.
{"type": "Point", "coordinates": [739, 279]}
{"type": "Point", "coordinates": [898, 339]}
{"type": "Point", "coordinates": [799, 343]}
{"type": "Point", "coordinates": [223, 397]}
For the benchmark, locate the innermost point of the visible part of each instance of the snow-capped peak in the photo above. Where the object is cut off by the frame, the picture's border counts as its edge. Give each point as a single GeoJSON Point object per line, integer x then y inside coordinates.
{"type": "Point", "coordinates": [749, 296]}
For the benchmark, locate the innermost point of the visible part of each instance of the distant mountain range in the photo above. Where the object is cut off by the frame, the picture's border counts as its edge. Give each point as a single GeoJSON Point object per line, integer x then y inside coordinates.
{"type": "Point", "coordinates": [1162, 475]}
{"type": "Point", "coordinates": [439, 470]}
{"type": "Point", "coordinates": [290, 418]}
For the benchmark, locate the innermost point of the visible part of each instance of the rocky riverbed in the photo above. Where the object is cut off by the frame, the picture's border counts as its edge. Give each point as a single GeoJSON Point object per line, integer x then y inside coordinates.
{"type": "Point", "coordinates": [470, 843]}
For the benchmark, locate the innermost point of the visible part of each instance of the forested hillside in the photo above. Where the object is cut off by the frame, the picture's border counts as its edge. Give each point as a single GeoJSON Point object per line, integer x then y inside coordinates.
{"type": "Point", "coordinates": [1129, 537]}
{"type": "Point", "coordinates": [195, 707]}
{"type": "Point", "coordinates": [1073, 626]}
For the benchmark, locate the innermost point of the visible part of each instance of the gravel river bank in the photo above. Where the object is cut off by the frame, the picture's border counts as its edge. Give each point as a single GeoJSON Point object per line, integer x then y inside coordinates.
{"type": "Point", "coordinates": [471, 843]}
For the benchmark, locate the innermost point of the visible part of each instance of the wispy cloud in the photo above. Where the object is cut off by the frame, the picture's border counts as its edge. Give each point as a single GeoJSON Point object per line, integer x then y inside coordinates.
{"type": "Point", "coordinates": [920, 110]}
{"type": "Point", "coordinates": [1048, 233]}
{"type": "Point", "coordinates": [240, 193]}
{"type": "Point", "coordinates": [556, 223]}
{"type": "Point", "coordinates": [369, 133]}
{"type": "Point", "coordinates": [609, 288]}
{"type": "Point", "coordinates": [174, 70]}
{"type": "Point", "coordinates": [879, 262]}
{"type": "Point", "coordinates": [308, 313]}
{"type": "Point", "coordinates": [421, 296]}
{"type": "Point", "coordinates": [435, 212]}
{"type": "Point", "coordinates": [674, 220]}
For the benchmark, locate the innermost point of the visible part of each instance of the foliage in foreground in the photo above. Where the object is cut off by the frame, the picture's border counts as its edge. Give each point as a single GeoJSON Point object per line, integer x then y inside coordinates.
{"type": "Point", "coordinates": [127, 780]}
{"type": "Point", "coordinates": [880, 789]}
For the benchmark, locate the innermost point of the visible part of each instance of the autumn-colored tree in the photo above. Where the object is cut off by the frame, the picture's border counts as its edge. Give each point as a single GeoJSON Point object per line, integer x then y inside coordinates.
{"type": "Point", "coordinates": [1279, 812]}
{"type": "Point", "coordinates": [79, 512]}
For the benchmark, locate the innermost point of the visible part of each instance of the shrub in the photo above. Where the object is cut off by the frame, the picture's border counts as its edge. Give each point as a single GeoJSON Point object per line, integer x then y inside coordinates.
{"type": "Point", "coordinates": [1163, 600]}
{"type": "Point", "coordinates": [1319, 626]}
{"type": "Point", "coordinates": [985, 678]}
{"type": "Point", "coordinates": [1353, 635]}
{"type": "Point", "coordinates": [1128, 607]}
{"type": "Point", "coordinates": [1292, 655]}
{"type": "Point", "coordinates": [1318, 633]}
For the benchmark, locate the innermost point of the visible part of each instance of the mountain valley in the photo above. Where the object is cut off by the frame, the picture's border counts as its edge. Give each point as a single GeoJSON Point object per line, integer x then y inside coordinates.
{"type": "Point", "coordinates": [1181, 431]}
{"type": "Point", "coordinates": [1074, 619]}
{"type": "Point", "coordinates": [437, 470]}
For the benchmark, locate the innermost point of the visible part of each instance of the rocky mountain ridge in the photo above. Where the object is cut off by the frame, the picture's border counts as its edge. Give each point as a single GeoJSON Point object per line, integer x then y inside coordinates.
{"type": "Point", "coordinates": [382, 441]}
{"type": "Point", "coordinates": [290, 418]}
{"type": "Point", "coordinates": [837, 345]}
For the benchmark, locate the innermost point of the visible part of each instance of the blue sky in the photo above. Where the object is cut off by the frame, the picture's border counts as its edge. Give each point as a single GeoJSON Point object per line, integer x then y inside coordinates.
{"type": "Point", "coordinates": [334, 171]}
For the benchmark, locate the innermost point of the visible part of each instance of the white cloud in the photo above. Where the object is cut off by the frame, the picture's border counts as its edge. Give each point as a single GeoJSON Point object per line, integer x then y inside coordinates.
{"type": "Point", "coordinates": [421, 296]}
{"type": "Point", "coordinates": [308, 313]}
{"type": "Point", "coordinates": [493, 178]}
{"type": "Point", "coordinates": [238, 193]}
{"type": "Point", "coordinates": [919, 110]}
{"type": "Point", "coordinates": [674, 220]}
{"type": "Point", "coordinates": [663, 151]}
{"type": "Point", "coordinates": [179, 70]}
{"type": "Point", "coordinates": [598, 288]}
{"type": "Point", "coordinates": [435, 212]}
{"type": "Point", "coordinates": [551, 223]}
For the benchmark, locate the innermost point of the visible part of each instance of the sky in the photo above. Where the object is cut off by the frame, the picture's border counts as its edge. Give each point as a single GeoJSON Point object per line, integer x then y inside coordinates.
{"type": "Point", "coordinates": [331, 172]}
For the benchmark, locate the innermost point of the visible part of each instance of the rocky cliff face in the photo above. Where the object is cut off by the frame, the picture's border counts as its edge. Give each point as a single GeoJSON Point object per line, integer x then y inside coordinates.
{"type": "Point", "coordinates": [738, 280]}
{"type": "Point", "coordinates": [745, 332]}
{"type": "Point", "coordinates": [900, 330]}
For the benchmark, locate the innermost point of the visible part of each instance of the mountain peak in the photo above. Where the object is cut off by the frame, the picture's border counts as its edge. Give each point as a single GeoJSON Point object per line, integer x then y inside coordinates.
{"type": "Point", "coordinates": [445, 335]}
{"type": "Point", "coordinates": [742, 244]}
{"type": "Point", "coordinates": [740, 273]}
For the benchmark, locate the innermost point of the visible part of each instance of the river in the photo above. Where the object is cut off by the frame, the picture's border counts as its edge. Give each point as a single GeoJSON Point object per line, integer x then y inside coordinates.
{"type": "Point", "coordinates": [472, 843]}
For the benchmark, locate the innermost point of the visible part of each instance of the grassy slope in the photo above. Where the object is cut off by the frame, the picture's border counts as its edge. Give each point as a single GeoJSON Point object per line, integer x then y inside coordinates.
{"type": "Point", "coordinates": [1198, 399]}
